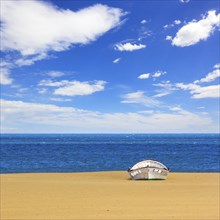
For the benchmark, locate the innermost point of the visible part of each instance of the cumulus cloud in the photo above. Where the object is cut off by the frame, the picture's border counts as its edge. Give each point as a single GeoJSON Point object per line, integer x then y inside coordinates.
{"type": "Point", "coordinates": [21, 116]}
{"type": "Point", "coordinates": [74, 88]}
{"type": "Point", "coordinates": [144, 76]}
{"type": "Point", "coordinates": [36, 27]}
{"type": "Point", "coordinates": [129, 47]}
{"type": "Point", "coordinates": [195, 31]}
{"type": "Point", "coordinates": [143, 21]}
{"type": "Point", "coordinates": [139, 97]}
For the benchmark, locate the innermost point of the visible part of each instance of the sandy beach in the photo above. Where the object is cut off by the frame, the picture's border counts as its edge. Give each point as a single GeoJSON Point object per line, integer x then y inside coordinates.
{"type": "Point", "coordinates": [109, 195]}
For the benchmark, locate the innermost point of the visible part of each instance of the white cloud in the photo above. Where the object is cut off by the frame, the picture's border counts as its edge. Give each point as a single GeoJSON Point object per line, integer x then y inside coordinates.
{"type": "Point", "coordinates": [148, 112]}
{"type": "Point", "coordinates": [55, 74]}
{"type": "Point", "coordinates": [199, 92]}
{"type": "Point", "coordinates": [210, 77]}
{"type": "Point", "coordinates": [177, 22]}
{"type": "Point", "coordinates": [167, 88]}
{"type": "Point", "coordinates": [15, 62]}
{"type": "Point", "coordinates": [139, 97]}
{"type": "Point", "coordinates": [5, 64]}
{"type": "Point", "coordinates": [129, 47]}
{"type": "Point", "coordinates": [176, 108]}
{"type": "Point", "coordinates": [166, 85]}
{"type": "Point", "coordinates": [161, 94]}
{"type": "Point", "coordinates": [27, 61]}
{"type": "Point", "coordinates": [144, 76]}
{"type": "Point", "coordinates": [42, 90]}
{"type": "Point", "coordinates": [53, 84]}
{"type": "Point", "coordinates": [144, 32]}
{"type": "Point", "coordinates": [22, 90]}
{"type": "Point", "coordinates": [158, 74]}
{"type": "Point", "coordinates": [74, 88]}
{"type": "Point", "coordinates": [5, 77]}
{"type": "Point", "coordinates": [189, 86]}
{"type": "Point", "coordinates": [35, 27]}
{"type": "Point", "coordinates": [143, 21]}
{"type": "Point", "coordinates": [5, 71]}
{"type": "Point", "coordinates": [80, 88]}
{"type": "Point", "coordinates": [117, 60]}
{"type": "Point", "coordinates": [168, 37]}
{"type": "Point", "coordinates": [195, 31]}
{"type": "Point", "coordinates": [206, 92]}
{"type": "Point", "coordinates": [24, 117]}
{"type": "Point", "coordinates": [217, 66]}
{"type": "Point", "coordinates": [153, 75]}
{"type": "Point", "coordinates": [184, 1]}
{"type": "Point", "coordinates": [60, 100]}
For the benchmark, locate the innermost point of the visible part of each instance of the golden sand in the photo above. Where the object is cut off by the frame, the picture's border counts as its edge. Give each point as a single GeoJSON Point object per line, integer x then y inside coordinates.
{"type": "Point", "coordinates": [109, 195]}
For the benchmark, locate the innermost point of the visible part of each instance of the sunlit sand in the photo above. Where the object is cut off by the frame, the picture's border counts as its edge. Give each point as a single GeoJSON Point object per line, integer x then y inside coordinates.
{"type": "Point", "coordinates": [109, 195]}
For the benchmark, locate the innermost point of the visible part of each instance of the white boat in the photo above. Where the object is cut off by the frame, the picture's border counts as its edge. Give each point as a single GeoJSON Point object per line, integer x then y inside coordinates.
{"type": "Point", "coordinates": [148, 170]}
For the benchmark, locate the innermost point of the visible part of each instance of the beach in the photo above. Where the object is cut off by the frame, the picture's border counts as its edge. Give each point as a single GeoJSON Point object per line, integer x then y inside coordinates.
{"type": "Point", "coordinates": [109, 195]}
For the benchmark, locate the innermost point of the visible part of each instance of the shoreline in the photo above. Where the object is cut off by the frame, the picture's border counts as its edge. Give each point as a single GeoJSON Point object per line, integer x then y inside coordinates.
{"type": "Point", "coordinates": [103, 171]}
{"type": "Point", "coordinates": [109, 195]}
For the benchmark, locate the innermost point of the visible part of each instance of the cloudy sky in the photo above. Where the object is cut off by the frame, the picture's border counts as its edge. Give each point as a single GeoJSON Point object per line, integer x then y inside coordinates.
{"type": "Point", "coordinates": [110, 66]}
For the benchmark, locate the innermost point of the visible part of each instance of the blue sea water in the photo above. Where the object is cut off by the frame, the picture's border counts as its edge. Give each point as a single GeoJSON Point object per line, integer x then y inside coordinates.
{"type": "Point", "coordinates": [21, 153]}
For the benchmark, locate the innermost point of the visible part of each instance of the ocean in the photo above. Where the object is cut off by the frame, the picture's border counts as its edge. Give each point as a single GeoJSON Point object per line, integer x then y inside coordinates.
{"type": "Point", "coordinates": [29, 153]}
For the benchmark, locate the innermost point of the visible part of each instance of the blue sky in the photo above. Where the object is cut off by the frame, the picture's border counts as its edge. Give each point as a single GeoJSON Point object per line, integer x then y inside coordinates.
{"type": "Point", "coordinates": [110, 66]}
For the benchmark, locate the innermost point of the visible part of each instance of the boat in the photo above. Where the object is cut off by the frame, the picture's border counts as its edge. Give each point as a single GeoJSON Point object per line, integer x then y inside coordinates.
{"type": "Point", "coordinates": [148, 170]}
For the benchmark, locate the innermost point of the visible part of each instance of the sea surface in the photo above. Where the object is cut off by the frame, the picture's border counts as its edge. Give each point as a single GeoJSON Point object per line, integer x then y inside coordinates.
{"type": "Point", "coordinates": [24, 153]}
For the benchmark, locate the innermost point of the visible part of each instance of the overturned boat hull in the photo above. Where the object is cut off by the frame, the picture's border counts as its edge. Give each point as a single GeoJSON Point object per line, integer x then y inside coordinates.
{"type": "Point", "coordinates": [148, 174]}
{"type": "Point", "coordinates": [148, 170]}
